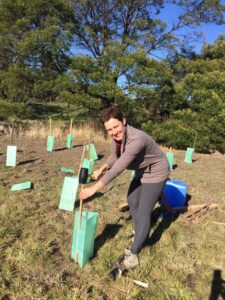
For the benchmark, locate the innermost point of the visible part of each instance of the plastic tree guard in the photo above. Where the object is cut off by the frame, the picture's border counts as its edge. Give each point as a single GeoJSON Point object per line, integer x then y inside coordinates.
{"type": "Point", "coordinates": [188, 155]}
{"type": "Point", "coordinates": [170, 157]}
{"type": "Point", "coordinates": [83, 238]}
{"type": "Point", "coordinates": [69, 192]}
{"type": "Point", "coordinates": [93, 153]}
{"type": "Point", "coordinates": [21, 186]}
{"type": "Point", "coordinates": [69, 141]}
{"type": "Point", "coordinates": [11, 156]}
{"type": "Point", "coordinates": [88, 164]}
{"type": "Point", "coordinates": [66, 170]}
{"type": "Point", "coordinates": [50, 143]}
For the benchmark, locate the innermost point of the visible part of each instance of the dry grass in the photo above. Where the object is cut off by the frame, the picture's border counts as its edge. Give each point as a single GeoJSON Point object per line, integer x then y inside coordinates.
{"type": "Point", "coordinates": [178, 261]}
{"type": "Point", "coordinates": [59, 129]}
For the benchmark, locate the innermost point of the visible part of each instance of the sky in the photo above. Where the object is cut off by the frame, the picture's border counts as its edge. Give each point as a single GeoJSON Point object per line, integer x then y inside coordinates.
{"type": "Point", "coordinates": [210, 31]}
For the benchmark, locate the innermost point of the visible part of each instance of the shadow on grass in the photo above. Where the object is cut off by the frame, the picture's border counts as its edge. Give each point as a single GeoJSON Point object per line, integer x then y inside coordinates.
{"type": "Point", "coordinates": [108, 233]}
{"type": "Point", "coordinates": [188, 198]}
{"type": "Point", "coordinates": [65, 148]}
{"type": "Point", "coordinates": [95, 196]}
{"type": "Point", "coordinates": [218, 286]}
{"type": "Point", "coordinates": [166, 220]}
{"type": "Point", "coordinates": [100, 156]}
{"type": "Point", "coordinates": [76, 146]}
{"type": "Point", "coordinates": [27, 161]}
{"type": "Point", "coordinates": [59, 149]}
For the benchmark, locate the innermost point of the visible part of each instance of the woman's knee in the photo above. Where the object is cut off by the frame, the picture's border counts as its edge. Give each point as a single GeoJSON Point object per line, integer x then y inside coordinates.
{"type": "Point", "coordinates": [132, 202]}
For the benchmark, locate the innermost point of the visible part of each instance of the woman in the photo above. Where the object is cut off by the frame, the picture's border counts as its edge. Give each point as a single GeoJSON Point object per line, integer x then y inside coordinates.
{"type": "Point", "coordinates": [135, 150]}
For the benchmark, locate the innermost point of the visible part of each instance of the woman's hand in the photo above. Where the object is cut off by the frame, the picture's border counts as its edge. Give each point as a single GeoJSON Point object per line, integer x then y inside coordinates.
{"type": "Point", "coordinates": [88, 192]}
{"type": "Point", "coordinates": [96, 174]}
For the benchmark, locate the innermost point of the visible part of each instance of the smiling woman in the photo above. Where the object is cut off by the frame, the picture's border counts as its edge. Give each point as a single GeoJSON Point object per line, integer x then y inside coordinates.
{"type": "Point", "coordinates": [135, 150]}
{"type": "Point", "coordinates": [115, 128]}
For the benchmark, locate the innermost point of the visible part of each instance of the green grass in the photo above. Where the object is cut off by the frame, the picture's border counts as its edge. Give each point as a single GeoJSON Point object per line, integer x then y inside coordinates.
{"type": "Point", "coordinates": [178, 261]}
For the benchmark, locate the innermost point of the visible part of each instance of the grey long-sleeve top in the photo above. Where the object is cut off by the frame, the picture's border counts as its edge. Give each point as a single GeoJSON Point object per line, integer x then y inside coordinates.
{"type": "Point", "coordinates": [141, 153]}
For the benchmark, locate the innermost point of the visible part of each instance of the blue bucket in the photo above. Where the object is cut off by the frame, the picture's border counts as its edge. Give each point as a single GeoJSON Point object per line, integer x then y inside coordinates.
{"type": "Point", "coordinates": [175, 192]}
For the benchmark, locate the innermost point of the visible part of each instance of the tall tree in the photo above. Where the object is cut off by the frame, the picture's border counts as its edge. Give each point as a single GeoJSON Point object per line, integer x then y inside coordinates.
{"type": "Point", "coordinates": [113, 38]}
{"type": "Point", "coordinates": [200, 102]}
{"type": "Point", "coordinates": [35, 39]}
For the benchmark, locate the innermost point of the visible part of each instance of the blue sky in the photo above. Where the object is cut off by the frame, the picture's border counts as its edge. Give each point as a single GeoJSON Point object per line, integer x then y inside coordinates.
{"type": "Point", "coordinates": [210, 31]}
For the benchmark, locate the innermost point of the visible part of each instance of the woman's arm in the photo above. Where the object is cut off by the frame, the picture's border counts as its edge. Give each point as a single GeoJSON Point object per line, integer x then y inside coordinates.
{"type": "Point", "coordinates": [96, 174]}
{"type": "Point", "coordinates": [88, 192]}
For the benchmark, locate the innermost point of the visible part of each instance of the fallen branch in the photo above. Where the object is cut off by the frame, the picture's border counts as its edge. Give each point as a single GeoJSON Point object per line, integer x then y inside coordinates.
{"type": "Point", "coordinates": [198, 213]}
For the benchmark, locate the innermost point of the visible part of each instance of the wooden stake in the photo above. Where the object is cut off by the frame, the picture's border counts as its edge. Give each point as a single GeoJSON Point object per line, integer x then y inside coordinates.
{"type": "Point", "coordinates": [81, 206]}
{"type": "Point", "coordinates": [50, 126]}
{"type": "Point", "coordinates": [71, 125]}
{"type": "Point", "coordinates": [12, 132]}
{"type": "Point", "coordinates": [195, 139]}
{"type": "Point", "coordinates": [80, 209]}
{"type": "Point", "coordinates": [82, 158]}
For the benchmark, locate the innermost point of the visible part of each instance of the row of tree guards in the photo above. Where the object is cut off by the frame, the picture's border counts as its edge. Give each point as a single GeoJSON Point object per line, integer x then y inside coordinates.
{"type": "Point", "coordinates": [51, 138]}
{"type": "Point", "coordinates": [85, 223]}
{"type": "Point", "coordinates": [187, 159]}
{"type": "Point", "coordinates": [188, 155]}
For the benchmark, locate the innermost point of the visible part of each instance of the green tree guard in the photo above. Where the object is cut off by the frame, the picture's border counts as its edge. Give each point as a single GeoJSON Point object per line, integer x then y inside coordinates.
{"type": "Point", "coordinates": [188, 155]}
{"type": "Point", "coordinates": [83, 238]}
{"type": "Point", "coordinates": [21, 186]}
{"type": "Point", "coordinates": [69, 192]}
{"type": "Point", "coordinates": [11, 156]}
{"type": "Point", "coordinates": [66, 170]}
{"type": "Point", "coordinates": [88, 164]}
{"type": "Point", "coordinates": [170, 157]}
{"type": "Point", "coordinates": [50, 143]}
{"type": "Point", "coordinates": [93, 153]}
{"type": "Point", "coordinates": [69, 141]}
{"type": "Point", "coordinates": [133, 174]}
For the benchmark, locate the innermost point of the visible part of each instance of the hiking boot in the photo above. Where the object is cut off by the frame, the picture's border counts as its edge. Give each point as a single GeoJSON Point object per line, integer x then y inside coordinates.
{"type": "Point", "coordinates": [131, 261]}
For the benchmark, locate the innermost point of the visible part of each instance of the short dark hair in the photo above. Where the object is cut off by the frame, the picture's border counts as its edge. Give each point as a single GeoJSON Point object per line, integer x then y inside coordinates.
{"type": "Point", "coordinates": [111, 112]}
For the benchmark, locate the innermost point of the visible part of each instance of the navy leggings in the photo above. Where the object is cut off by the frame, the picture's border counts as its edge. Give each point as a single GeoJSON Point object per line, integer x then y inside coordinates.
{"type": "Point", "coordinates": [142, 197]}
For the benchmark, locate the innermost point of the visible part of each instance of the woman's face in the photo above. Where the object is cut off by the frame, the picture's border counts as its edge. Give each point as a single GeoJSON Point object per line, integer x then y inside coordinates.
{"type": "Point", "coordinates": [115, 128]}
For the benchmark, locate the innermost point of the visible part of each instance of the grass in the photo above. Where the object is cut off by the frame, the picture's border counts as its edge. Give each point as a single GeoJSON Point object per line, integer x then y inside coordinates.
{"type": "Point", "coordinates": [178, 262]}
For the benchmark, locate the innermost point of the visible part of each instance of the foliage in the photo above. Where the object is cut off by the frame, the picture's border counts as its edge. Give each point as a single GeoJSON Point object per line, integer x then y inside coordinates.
{"type": "Point", "coordinates": [35, 38]}
{"type": "Point", "coordinates": [117, 37]}
{"type": "Point", "coordinates": [201, 90]}
{"type": "Point", "coordinates": [93, 54]}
